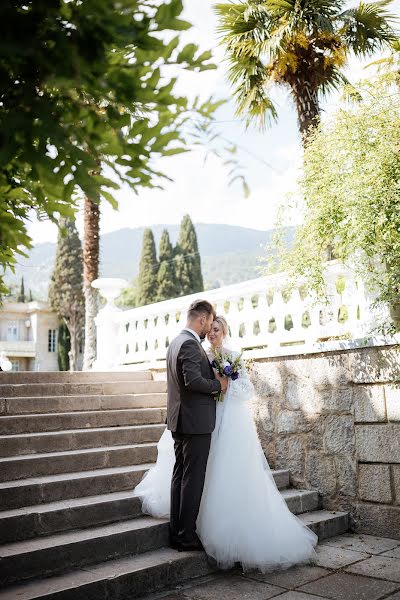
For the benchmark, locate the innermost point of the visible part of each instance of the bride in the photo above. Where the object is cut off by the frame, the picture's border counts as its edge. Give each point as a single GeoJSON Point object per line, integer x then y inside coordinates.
{"type": "Point", "coordinates": [242, 517]}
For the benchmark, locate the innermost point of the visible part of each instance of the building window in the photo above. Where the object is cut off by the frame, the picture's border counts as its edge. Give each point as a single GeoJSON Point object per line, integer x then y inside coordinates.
{"type": "Point", "coordinates": [12, 331]}
{"type": "Point", "coordinates": [15, 365]}
{"type": "Point", "coordinates": [51, 346]}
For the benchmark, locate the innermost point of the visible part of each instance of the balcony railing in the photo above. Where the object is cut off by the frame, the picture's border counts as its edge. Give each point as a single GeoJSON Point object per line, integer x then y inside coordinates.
{"type": "Point", "coordinates": [18, 348]}
{"type": "Point", "coordinates": [263, 320]}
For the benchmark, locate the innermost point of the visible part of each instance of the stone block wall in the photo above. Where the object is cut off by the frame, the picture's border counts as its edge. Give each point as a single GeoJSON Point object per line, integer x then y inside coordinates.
{"type": "Point", "coordinates": [333, 419]}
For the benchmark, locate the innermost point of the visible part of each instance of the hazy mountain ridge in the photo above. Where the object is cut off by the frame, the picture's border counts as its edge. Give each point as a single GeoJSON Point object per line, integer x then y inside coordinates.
{"type": "Point", "coordinates": [229, 254]}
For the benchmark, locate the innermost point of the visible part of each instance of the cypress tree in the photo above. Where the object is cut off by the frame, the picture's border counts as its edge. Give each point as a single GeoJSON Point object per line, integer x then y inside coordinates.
{"type": "Point", "coordinates": [63, 347]}
{"type": "Point", "coordinates": [166, 251]}
{"type": "Point", "coordinates": [30, 295]}
{"type": "Point", "coordinates": [148, 269]}
{"type": "Point", "coordinates": [166, 273]}
{"type": "Point", "coordinates": [21, 296]}
{"type": "Point", "coordinates": [66, 287]}
{"type": "Point", "coordinates": [188, 263]}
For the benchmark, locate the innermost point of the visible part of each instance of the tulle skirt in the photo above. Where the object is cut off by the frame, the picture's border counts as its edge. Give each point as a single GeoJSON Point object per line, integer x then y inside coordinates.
{"type": "Point", "coordinates": [243, 517]}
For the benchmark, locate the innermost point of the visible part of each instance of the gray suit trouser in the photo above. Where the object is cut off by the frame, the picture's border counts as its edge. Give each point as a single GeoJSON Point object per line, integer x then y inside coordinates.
{"type": "Point", "coordinates": [191, 455]}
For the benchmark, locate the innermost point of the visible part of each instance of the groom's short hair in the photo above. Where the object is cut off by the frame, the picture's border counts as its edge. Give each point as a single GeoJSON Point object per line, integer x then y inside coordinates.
{"type": "Point", "coordinates": [200, 307]}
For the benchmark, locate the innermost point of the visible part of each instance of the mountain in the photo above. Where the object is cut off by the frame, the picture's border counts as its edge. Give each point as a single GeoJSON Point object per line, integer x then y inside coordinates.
{"type": "Point", "coordinates": [229, 254]}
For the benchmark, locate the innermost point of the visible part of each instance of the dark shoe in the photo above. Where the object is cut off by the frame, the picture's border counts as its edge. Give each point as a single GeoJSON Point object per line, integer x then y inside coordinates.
{"type": "Point", "coordinates": [175, 546]}
{"type": "Point", "coordinates": [174, 543]}
{"type": "Point", "coordinates": [188, 546]}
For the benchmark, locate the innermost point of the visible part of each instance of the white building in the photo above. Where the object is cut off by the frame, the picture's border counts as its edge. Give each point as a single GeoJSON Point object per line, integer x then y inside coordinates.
{"type": "Point", "coordinates": [28, 335]}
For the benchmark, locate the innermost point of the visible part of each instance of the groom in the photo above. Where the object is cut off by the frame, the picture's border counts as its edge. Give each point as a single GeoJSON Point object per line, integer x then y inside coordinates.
{"type": "Point", "coordinates": [192, 391]}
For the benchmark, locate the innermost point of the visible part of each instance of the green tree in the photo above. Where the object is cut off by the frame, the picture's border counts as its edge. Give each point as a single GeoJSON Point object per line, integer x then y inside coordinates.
{"type": "Point", "coordinates": [166, 273]}
{"type": "Point", "coordinates": [128, 296]}
{"type": "Point", "coordinates": [93, 96]}
{"type": "Point", "coordinates": [66, 286]}
{"type": "Point", "coordinates": [303, 46]}
{"type": "Point", "coordinates": [63, 347]}
{"type": "Point", "coordinates": [352, 199]}
{"type": "Point", "coordinates": [147, 279]}
{"type": "Point", "coordinates": [21, 295]}
{"type": "Point", "coordinates": [188, 262]}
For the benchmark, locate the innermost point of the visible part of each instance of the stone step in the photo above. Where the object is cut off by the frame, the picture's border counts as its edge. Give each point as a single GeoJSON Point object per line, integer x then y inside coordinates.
{"type": "Point", "coordinates": [73, 377]}
{"type": "Point", "coordinates": [282, 478]}
{"type": "Point", "coordinates": [72, 389]}
{"type": "Point", "coordinates": [54, 517]}
{"type": "Point", "coordinates": [66, 404]}
{"type": "Point", "coordinates": [42, 557]}
{"type": "Point", "coordinates": [121, 579]}
{"type": "Point", "coordinates": [84, 419]}
{"type": "Point", "coordinates": [133, 576]}
{"type": "Point", "coordinates": [77, 513]}
{"type": "Point", "coordinates": [300, 501]}
{"type": "Point", "coordinates": [78, 439]}
{"type": "Point", "coordinates": [37, 465]}
{"type": "Point", "coordinates": [52, 488]}
{"type": "Point", "coordinates": [326, 523]}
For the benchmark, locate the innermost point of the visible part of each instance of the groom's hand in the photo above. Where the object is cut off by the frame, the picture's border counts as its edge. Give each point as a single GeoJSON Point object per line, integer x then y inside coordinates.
{"type": "Point", "coordinates": [223, 381]}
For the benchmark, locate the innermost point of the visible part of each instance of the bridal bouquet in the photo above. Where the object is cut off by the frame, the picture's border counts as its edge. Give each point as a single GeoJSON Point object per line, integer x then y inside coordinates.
{"type": "Point", "coordinates": [226, 365]}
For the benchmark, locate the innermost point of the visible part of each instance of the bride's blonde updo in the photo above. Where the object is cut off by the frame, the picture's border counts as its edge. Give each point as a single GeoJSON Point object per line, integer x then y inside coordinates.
{"type": "Point", "coordinates": [223, 323]}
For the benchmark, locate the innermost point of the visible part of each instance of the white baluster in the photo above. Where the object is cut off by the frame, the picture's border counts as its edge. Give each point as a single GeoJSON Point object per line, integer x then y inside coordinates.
{"type": "Point", "coordinates": [113, 337]}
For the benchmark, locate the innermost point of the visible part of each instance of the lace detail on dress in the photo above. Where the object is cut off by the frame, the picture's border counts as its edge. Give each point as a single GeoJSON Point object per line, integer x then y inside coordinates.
{"type": "Point", "coordinates": [241, 389]}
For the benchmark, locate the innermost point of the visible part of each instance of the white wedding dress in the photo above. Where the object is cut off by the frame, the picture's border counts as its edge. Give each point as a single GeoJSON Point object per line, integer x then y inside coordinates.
{"type": "Point", "coordinates": [242, 517]}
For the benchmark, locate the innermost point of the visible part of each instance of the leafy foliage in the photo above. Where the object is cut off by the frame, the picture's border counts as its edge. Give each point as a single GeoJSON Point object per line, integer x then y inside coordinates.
{"type": "Point", "coordinates": [389, 63]}
{"type": "Point", "coordinates": [21, 297]}
{"type": "Point", "coordinates": [63, 347]}
{"type": "Point", "coordinates": [188, 262]}
{"type": "Point", "coordinates": [352, 195]}
{"type": "Point", "coordinates": [66, 287]}
{"type": "Point", "coordinates": [176, 273]}
{"type": "Point", "coordinates": [84, 84]}
{"type": "Point", "coordinates": [166, 279]}
{"type": "Point", "coordinates": [128, 296]}
{"type": "Point", "coordinates": [147, 280]}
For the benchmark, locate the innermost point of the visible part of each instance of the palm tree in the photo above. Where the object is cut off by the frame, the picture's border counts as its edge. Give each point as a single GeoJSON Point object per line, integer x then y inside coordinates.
{"type": "Point", "coordinates": [302, 45]}
{"type": "Point", "coordinates": [91, 252]}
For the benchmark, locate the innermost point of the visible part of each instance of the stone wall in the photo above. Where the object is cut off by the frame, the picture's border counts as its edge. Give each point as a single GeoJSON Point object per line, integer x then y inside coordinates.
{"type": "Point", "coordinates": [333, 419]}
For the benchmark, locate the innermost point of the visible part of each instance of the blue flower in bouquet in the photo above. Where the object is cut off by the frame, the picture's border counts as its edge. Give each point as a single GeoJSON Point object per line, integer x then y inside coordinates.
{"type": "Point", "coordinates": [226, 365]}
{"type": "Point", "coordinates": [228, 370]}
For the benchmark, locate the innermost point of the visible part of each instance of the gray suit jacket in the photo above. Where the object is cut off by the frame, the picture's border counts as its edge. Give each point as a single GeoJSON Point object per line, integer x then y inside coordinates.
{"type": "Point", "coordinates": [192, 387]}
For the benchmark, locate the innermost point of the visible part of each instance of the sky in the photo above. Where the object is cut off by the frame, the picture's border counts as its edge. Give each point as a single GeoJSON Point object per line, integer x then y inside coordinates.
{"type": "Point", "coordinates": [271, 159]}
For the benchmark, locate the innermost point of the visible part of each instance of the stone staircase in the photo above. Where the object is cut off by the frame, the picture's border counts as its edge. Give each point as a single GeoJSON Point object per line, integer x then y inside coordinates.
{"type": "Point", "coordinates": [72, 448]}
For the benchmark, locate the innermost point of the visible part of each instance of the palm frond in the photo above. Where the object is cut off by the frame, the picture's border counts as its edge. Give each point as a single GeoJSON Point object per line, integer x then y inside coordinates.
{"type": "Point", "coordinates": [237, 20]}
{"type": "Point", "coordinates": [249, 79]}
{"type": "Point", "coordinates": [305, 15]}
{"type": "Point", "coordinates": [388, 63]}
{"type": "Point", "coordinates": [336, 81]}
{"type": "Point", "coordinates": [368, 27]}
{"type": "Point", "coordinates": [246, 28]}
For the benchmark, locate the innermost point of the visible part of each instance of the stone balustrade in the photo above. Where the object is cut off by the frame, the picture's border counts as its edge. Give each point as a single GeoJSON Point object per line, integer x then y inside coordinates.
{"type": "Point", "coordinates": [264, 319]}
